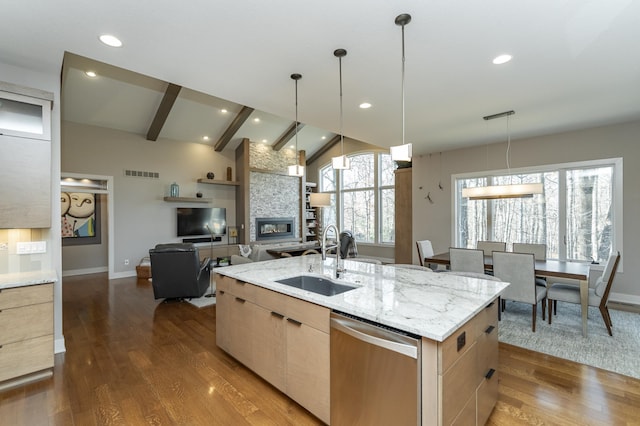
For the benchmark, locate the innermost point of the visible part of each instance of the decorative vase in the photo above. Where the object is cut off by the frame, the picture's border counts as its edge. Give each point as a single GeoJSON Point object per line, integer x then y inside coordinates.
{"type": "Point", "coordinates": [210, 175]}
{"type": "Point", "coordinates": [175, 190]}
{"type": "Point", "coordinates": [199, 194]}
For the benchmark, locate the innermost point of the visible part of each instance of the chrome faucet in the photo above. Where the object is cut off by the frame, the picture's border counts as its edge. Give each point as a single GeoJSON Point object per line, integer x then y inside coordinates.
{"type": "Point", "coordinates": [336, 246]}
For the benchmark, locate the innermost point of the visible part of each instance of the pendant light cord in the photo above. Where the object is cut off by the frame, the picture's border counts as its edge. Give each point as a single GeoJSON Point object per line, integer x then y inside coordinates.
{"type": "Point", "coordinates": [508, 146]}
{"type": "Point", "coordinates": [403, 85]}
{"type": "Point", "coordinates": [341, 131]}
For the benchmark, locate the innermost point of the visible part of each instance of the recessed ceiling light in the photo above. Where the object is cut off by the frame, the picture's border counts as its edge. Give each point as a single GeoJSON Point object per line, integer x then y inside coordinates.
{"type": "Point", "coordinates": [292, 146]}
{"type": "Point", "coordinates": [264, 141]}
{"type": "Point", "coordinates": [205, 138]}
{"type": "Point", "coordinates": [502, 59]}
{"type": "Point", "coordinates": [224, 111]}
{"type": "Point", "coordinates": [110, 40]}
{"type": "Point", "coordinates": [256, 120]}
{"type": "Point", "coordinates": [365, 105]}
{"type": "Point", "coordinates": [91, 74]}
{"type": "Point", "coordinates": [324, 137]}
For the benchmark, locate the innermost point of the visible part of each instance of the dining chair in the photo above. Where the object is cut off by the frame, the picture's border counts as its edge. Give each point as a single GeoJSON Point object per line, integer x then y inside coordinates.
{"type": "Point", "coordinates": [425, 249]}
{"type": "Point", "coordinates": [539, 253]}
{"type": "Point", "coordinates": [466, 260]}
{"type": "Point", "coordinates": [598, 295]}
{"type": "Point", "coordinates": [518, 269]}
{"type": "Point", "coordinates": [490, 246]}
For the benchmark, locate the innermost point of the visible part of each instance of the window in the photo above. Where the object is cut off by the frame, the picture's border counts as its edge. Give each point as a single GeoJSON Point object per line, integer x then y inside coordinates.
{"type": "Point", "coordinates": [363, 197]}
{"type": "Point", "coordinates": [578, 215]}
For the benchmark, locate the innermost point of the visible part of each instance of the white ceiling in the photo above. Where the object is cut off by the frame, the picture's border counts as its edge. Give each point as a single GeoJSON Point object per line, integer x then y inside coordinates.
{"type": "Point", "coordinates": [575, 65]}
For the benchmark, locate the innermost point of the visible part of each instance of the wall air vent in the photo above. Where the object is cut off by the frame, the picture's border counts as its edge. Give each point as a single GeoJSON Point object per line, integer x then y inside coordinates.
{"type": "Point", "coordinates": [141, 174]}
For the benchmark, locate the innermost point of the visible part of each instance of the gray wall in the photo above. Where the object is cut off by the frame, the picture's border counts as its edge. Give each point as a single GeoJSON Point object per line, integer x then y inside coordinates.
{"type": "Point", "coordinates": [142, 218]}
{"type": "Point", "coordinates": [435, 221]}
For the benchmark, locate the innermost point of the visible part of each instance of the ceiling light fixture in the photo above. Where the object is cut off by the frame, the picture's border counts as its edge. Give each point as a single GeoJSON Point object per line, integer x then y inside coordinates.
{"type": "Point", "coordinates": [341, 162]}
{"type": "Point", "coordinates": [502, 59]}
{"type": "Point", "coordinates": [365, 105]}
{"type": "Point", "coordinates": [205, 138]}
{"type": "Point", "coordinates": [297, 169]}
{"type": "Point", "coordinates": [111, 41]}
{"type": "Point", "coordinates": [402, 152]}
{"type": "Point", "coordinates": [256, 120]}
{"type": "Point", "coordinates": [91, 74]}
{"type": "Point", "coordinates": [494, 192]}
{"type": "Point", "coordinates": [223, 110]}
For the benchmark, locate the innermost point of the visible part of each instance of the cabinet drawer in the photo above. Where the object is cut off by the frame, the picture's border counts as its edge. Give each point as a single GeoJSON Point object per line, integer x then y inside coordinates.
{"type": "Point", "coordinates": [487, 351]}
{"type": "Point", "coordinates": [308, 313]}
{"type": "Point", "coordinates": [271, 300]}
{"type": "Point", "coordinates": [454, 346]}
{"type": "Point", "coordinates": [26, 322]}
{"type": "Point", "coordinates": [486, 318]}
{"type": "Point", "coordinates": [458, 384]}
{"type": "Point", "coordinates": [222, 282]}
{"type": "Point", "coordinates": [27, 356]}
{"type": "Point", "coordinates": [486, 399]}
{"type": "Point", "coordinates": [24, 296]}
{"type": "Point", "coordinates": [241, 289]}
{"type": "Point", "coordinates": [467, 416]}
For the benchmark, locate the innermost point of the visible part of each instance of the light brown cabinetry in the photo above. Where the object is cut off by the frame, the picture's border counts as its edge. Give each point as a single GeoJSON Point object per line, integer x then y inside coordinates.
{"type": "Point", "coordinates": [283, 339]}
{"type": "Point", "coordinates": [467, 383]}
{"type": "Point", "coordinates": [404, 245]}
{"type": "Point", "coordinates": [26, 331]}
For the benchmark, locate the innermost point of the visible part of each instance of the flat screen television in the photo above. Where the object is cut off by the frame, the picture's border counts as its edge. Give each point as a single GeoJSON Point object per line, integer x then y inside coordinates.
{"type": "Point", "coordinates": [194, 221]}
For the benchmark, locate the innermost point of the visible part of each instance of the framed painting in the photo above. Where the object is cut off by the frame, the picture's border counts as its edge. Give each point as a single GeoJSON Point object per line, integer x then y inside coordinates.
{"type": "Point", "coordinates": [80, 215]}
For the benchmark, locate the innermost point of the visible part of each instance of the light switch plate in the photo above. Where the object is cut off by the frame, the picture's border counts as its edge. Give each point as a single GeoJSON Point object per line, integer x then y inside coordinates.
{"type": "Point", "coordinates": [23, 247]}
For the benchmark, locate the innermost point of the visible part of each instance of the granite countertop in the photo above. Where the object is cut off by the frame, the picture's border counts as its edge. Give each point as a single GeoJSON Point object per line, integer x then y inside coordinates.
{"type": "Point", "coordinates": [430, 304]}
{"type": "Point", "coordinates": [22, 279]}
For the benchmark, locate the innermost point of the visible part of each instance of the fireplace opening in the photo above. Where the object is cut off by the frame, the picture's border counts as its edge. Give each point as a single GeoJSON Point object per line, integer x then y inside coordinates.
{"type": "Point", "coordinates": [272, 228]}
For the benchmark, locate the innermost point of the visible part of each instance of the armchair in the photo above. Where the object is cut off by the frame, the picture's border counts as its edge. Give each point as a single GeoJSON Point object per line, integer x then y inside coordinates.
{"type": "Point", "coordinates": [177, 271]}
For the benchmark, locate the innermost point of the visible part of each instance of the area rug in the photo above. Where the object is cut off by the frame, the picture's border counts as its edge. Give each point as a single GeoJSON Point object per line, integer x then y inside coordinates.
{"type": "Point", "coordinates": [563, 338]}
{"type": "Point", "coordinates": [203, 301]}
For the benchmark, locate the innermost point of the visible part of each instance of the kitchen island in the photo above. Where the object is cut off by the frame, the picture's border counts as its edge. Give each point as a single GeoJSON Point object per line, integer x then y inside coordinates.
{"type": "Point", "coordinates": [283, 333]}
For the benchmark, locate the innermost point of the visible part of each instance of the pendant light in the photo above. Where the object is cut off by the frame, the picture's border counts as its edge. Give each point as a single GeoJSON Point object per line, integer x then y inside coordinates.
{"type": "Point", "coordinates": [494, 192]}
{"type": "Point", "coordinates": [341, 162]}
{"type": "Point", "coordinates": [297, 169]}
{"type": "Point", "coordinates": [402, 152]}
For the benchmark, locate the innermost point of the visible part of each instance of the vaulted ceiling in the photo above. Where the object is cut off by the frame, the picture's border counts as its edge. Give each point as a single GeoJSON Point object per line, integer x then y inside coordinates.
{"type": "Point", "coordinates": [574, 66]}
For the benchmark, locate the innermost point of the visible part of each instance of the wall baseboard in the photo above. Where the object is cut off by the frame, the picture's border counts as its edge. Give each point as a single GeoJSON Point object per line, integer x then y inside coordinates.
{"type": "Point", "coordinates": [624, 299]}
{"type": "Point", "coordinates": [59, 346]}
{"type": "Point", "coordinates": [124, 274]}
{"type": "Point", "coordinates": [73, 272]}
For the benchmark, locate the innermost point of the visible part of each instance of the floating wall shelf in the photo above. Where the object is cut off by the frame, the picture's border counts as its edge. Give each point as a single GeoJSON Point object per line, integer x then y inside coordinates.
{"type": "Point", "coordinates": [218, 182]}
{"type": "Point", "coordinates": [187, 200]}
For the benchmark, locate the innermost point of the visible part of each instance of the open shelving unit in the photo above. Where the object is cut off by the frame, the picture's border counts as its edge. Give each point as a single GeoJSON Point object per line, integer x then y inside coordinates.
{"type": "Point", "coordinates": [187, 200]}
{"type": "Point", "coordinates": [311, 224]}
{"type": "Point", "coordinates": [218, 182]}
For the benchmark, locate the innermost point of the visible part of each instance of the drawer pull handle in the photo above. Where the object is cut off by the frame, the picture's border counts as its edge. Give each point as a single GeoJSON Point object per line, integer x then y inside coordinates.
{"type": "Point", "coordinates": [277, 315]}
{"type": "Point", "coordinates": [461, 341]}
{"type": "Point", "coordinates": [489, 305]}
{"type": "Point", "coordinates": [489, 329]}
{"type": "Point", "coordinates": [292, 321]}
{"type": "Point", "coordinates": [240, 300]}
{"type": "Point", "coordinates": [221, 291]}
{"type": "Point", "coordinates": [489, 373]}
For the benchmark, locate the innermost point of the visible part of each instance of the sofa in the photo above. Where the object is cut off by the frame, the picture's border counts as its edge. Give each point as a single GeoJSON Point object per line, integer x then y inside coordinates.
{"type": "Point", "coordinates": [259, 252]}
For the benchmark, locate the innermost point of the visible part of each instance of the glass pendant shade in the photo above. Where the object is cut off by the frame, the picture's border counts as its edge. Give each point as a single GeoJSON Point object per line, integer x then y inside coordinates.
{"type": "Point", "coordinates": [401, 152]}
{"type": "Point", "coordinates": [296, 170]}
{"type": "Point", "coordinates": [341, 163]}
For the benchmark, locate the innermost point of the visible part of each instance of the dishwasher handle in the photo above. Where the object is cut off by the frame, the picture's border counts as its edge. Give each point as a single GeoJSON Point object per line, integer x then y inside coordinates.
{"type": "Point", "coordinates": [346, 326]}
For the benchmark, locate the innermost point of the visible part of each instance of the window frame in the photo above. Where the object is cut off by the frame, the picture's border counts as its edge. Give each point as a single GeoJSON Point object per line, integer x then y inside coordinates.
{"type": "Point", "coordinates": [618, 219]}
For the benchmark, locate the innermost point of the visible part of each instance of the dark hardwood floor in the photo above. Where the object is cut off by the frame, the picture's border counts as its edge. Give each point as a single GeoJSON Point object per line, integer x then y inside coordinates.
{"type": "Point", "coordinates": [131, 360]}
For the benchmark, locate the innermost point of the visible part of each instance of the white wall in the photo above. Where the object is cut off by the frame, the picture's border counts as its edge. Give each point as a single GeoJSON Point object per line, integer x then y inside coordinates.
{"type": "Point", "coordinates": [50, 83]}
{"type": "Point", "coordinates": [435, 221]}
{"type": "Point", "coordinates": [141, 218]}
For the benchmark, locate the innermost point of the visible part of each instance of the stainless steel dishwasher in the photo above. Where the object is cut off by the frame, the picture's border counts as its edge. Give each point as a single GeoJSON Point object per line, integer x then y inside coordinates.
{"type": "Point", "coordinates": [375, 373]}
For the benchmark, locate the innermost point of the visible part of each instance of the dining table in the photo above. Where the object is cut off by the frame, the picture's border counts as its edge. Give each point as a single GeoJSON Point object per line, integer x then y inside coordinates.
{"type": "Point", "coordinates": [548, 268]}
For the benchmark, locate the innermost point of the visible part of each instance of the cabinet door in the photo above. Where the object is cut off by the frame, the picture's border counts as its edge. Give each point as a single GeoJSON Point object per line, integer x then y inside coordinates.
{"type": "Point", "coordinates": [241, 330]}
{"type": "Point", "coordinates": [25, 183]}
{"type": "Point", "coordinates": [269, 343]}
{"type": "Point", "coordinates": [223, 299]}
{"type": "Point", "coordinates": [308, 368]}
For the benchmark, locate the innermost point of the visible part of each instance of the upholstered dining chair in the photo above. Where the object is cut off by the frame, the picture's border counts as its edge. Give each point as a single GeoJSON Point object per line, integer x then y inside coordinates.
{"type": "Point", "coordinates": [598, 295]}
{"type": "Point", "coordinates": [466, 260]}
{"type": "Point", "coordinates": [489, 247]}
{"type": "Point", "coordinates": [519, 270]}
{"type": "Point", "coordinates": [425, 249]}
{"type": "Point", "coordinates": [539, 253]}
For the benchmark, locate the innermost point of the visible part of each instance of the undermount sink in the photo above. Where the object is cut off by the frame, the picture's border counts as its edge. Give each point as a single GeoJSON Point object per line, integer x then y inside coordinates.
{"type": "Point", "coordinates": [316, 284]}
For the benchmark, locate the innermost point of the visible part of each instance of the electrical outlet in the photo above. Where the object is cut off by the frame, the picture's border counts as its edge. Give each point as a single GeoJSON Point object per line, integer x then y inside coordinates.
{"type": "Point", "coordinates": [126, 261]}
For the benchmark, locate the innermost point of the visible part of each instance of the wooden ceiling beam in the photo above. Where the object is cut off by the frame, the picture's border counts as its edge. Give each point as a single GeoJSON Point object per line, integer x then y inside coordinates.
{"type": "Point", "coordinates": [163, 111]}
{"type": "Point", "coordinates": [286, 136]}
{"type": "Point", "coordinates": [235, 125]}
{"type": "Point", "coordinates": [326, 147]}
